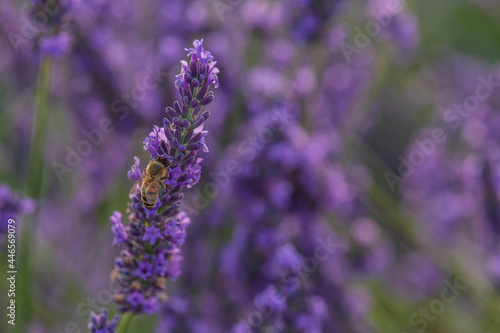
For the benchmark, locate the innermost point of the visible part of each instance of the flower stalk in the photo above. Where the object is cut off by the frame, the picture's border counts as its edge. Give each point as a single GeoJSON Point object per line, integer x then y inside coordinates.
{"type": "Point", "coordinates": [156, 231]}
{"type": "Point", "coordinates": [124, 322]}
{"type": "Point", "coordinates": [40, 123]}
{"type": "Point", "coordinates": [33, 187]}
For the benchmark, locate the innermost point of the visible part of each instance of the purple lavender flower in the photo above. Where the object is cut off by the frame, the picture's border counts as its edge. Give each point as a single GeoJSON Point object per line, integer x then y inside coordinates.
{"type": "Point", "coordinates": [402, 28]}
{"type": "Point", "coordinates": [120, 236]}
{"type": "Point", "coordinates": [151, 235]}
{"type": "Point", "coordinates": [135, 172]}
{"type": "Point", "coordinates": [272, 299]}
{"type": "Point", "coordinates": [135, 299]}
{"type": "Point", "coordinates": [51, 35]}
{"type": "Point", "coordinates": [308, 18]}
{"type": "Point", "coordinates": [285, 309]}
{"type": "Point", "coordinates": [12, 206]}
{"type": "Point", "coordinates": [144, 269]}
{"type": "Point", "coordinates": [151, 306]}
{"type": "Point", "coordinates": [99, 323]}
{"type": "Point", "coordinates": [286, 258]}
{"type": "Point", "coordinates": [276, 199]}
{"type": "Point", "coordinates": [455, 191]}
{"type": "Point", "coordinates": [153, 238]}
{"type": "Point", "coordinates": [57, 45]}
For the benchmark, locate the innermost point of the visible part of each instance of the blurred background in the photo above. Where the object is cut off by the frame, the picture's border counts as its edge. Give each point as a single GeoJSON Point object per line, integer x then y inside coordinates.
{"type": "Point", "coordinates": [353, 178]}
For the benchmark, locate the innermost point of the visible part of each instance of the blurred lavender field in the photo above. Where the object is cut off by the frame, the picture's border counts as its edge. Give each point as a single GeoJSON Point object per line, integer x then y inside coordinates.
{"type": "Point", "coordinates": [351, 181]}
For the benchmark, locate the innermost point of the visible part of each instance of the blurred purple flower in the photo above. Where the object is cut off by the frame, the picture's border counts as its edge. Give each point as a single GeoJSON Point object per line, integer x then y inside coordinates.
{"type": "Point", "coordinates": [119, 233]}
{"type": "Point", "coordinates": [99, 323]}
{"type": "Point", "coordinates": [271, 299]}
{"type": "Point", "coordinates": [56, 45]}
{"type": "Point", "coordinates": [12, 206]}
{"type": "Point", "coordinates": [285, 309]}
{"type": "Point", "coordinates": [135, 299]}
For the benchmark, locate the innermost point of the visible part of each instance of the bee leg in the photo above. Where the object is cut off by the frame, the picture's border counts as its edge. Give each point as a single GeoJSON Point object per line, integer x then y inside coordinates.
{"type": "Point", "coordinates": [163, 186]}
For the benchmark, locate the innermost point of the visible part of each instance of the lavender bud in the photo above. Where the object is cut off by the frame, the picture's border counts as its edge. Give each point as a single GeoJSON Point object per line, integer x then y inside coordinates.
{"type": "Point", "coordinates": [202, 92]}
{"type": "Point", "coordinates": [188, 78]}
{"type": "Point", "coordinates": [165, 199]}
{"type": "Point", "coordinates": [198, 122]}
{"type": "Point", "coordinates": [168, 133]}
{"type": "Point", "coordinates": [194, 103]}
{"type": "Point", "coordinates": [194, 146]}
{"type": "Point", "coordinates": [169, 117]}
{"type": "Point", "coordinates": [175, 143]}
{"type": "Point", "coordinates": [205, 115]}
{"type": "Point", "coordinates": [201, 77]}
{"type": "Point", "coordinates": [170, 112]}
{"type": "Point", "coordinates": [207, 99]}
{"type": "Point", "coordinates": [193, 67]}
{"type": "Point", "coordinates": [188, 162]}
{"type": "Point", "coordinates": [185, 100]}
{"type": "Point", "coordinates": [189, 94]}
{"type": "Point", "coordinates": [195, 83]}
{"type": "Point", "coordinates": [188, 135]}
{"type": "Point", "coordinates": [169, 212]}
{"type": "Point", "coordinates": [185, 111]}
{"type": "Point", "coordinates": [178, 157]}
{"type": "Point", "coordinates": [177, 108]}
{"type": "Point", "coordinates": [177, 197]}
{"type": "Point", "coordinates": [189, 155]}
{"type": "Point", "coordinates": [197, 137]}
{"type": "Point", "coordinates": [178, 122]}
{"type": "Point", "coordinates": [197, 110]}
{"type": "Point", "coordinates": [178, 135]}
{"type": "Point", "coordinates": [166, 122]}
{"type": "Point", "coordinates": [185, 123]}
{"type": "Point", "coordinates": [181, 149]}
{"type": "Point", "coordinates": [163, 147]}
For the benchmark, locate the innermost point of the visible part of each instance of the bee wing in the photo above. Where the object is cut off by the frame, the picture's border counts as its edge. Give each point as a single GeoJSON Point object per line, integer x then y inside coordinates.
{"type": "Point", "coordinates": [136, 188]}
{"type": "Point", "coordinates": [151, 188]}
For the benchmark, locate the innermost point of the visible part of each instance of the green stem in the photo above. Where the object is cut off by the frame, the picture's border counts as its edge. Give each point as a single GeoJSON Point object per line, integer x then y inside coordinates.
{"type": "Point", "coordinates": [190, 114]}
{"type": "Point", "coordinates": [195, 92]}
{"type": "Point", "coordinates": [33, 188]}
{"type": "Point", "coordinates": [40, 124]}
{"type": "Point", "coordinates": [125, 320]}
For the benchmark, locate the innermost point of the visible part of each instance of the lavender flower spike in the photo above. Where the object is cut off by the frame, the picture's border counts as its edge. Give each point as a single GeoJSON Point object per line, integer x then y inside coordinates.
{"type": "Point", "coordinates": [99, 323]}
{"type": "Point", "coordinates": [153, 237]}
{"type": "Point", "coordinates": [12, 206]}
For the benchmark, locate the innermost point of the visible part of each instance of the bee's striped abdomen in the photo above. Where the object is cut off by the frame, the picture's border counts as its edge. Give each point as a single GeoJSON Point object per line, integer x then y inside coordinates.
{"type": "Point", "coordinates": [149, 193]}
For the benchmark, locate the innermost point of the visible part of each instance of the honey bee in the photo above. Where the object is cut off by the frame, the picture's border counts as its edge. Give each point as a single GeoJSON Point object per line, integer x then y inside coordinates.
{"type": "Point", "coordinates": [149, 183]}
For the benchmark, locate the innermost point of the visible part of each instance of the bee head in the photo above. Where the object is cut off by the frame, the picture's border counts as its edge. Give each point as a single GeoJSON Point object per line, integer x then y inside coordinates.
{"type": "Point", "coordinates": [164, 161]}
